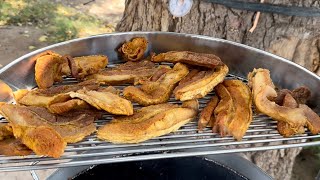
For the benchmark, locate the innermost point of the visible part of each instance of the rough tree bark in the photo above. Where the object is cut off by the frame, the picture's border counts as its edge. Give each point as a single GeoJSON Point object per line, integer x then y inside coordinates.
{"type": "Point", "coordinates": [294, 38]}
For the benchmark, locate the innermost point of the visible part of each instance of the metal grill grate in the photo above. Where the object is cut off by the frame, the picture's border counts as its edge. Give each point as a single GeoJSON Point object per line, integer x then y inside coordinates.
{"type": "Point", "coordinates": [187, 141]}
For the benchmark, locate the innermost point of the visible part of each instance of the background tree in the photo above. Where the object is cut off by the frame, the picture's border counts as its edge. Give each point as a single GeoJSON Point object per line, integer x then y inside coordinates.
{"type": "Point", "coordinates": [294, 38]}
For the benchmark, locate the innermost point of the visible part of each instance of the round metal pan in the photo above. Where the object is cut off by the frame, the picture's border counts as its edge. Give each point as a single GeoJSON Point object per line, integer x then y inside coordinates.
{"type": "Point", "coordinates": [241, 59]}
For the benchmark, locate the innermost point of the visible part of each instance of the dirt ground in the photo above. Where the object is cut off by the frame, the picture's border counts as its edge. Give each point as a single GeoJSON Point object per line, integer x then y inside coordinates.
{"type": "Point", "coordinates": [19, 40]}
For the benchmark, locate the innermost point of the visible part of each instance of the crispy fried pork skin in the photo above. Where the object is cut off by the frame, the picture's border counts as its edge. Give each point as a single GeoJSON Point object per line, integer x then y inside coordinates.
{"type": "Point", "coordinates": [187, 57]}
{"type": "Point", "coordinates": [48, 97]}
{"type": "Point", "coordinates": [9, 146]}
{"type": "Point", "coordinates": [159, 91]}
{"type": "Point", "coordinates": [72, 126]}
{"type": "Point", "coordinates": [48, 70]}
{"type": "Point", "coordinates": [301, 95]}
{"type": "Point", "coordinates": [225, 110]}
{"type": "Point", "coordinates": [73, 68]}
{"type": "Point", "coordinates": [129, 72]}
{"type": "Point", "coordinates": [5, 131]}
{"type": "Point", "coordinates": [43, 140]}
{"type": "Point", "coordinates": [148, 122]}
{"type": "Point", "coordinates": [107, 101]}
{"type": "Point", "coordinates": [198, 84]}
{"type": "Point", "coordinates": [13, 147]}
{"type": "Point", "coordinates": [134, 49]}
{"type": "Point", "coordinates": [66, 106]}
{"type": "Point", "coordinates": [207, 112]}
{"type": "Point", "coordinates": [242, 99]}
{"type": "Point", "coordinates": [263, 90]}
{"type": "Point", "coordinates": [84, 65]}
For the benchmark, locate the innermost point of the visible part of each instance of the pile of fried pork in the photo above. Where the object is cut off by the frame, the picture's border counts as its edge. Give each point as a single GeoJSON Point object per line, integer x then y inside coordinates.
{"type": "Point", "coordinates": [44, 120]}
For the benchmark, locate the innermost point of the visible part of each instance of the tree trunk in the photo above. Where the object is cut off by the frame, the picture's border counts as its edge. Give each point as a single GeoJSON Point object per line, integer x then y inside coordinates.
{"type": "Point", "coordinates": [294, 38]}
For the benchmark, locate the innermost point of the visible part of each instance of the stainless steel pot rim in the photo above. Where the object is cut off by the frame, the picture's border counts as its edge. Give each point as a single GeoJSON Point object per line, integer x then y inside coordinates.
{"type": "Point", "coordinates": [158, 32]}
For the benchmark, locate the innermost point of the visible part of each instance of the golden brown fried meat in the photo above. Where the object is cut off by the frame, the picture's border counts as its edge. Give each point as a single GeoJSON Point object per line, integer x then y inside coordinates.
{"type": "Point", "coordinates": [43, 140]}
{"type": "Point", "coordinates": [263, 90]}
{"type": "Point", "coordinates": [148, 122]}
{"type": "Point", "coordinates": [48, 97]}
{"type": "Point", "coordinates": [301, 95]}
{"type": "Point", "coordinates": [83, 66]}
{"type": "Point", "coordinates": [48, 70]}
{"type": "Point", "coordinates": [134, 49]}
{"type": "Point", "coordinates": [159, 91]}
{"type": "Point", "coordinates": [207, 112]}
{"type": "Point", "coordinates": [13, 147]}
{"type": "Point", "coordinates": [284, 128]}
{"type": "Point", "coordinates": [129, 72]}
{"type": "Point", "coordinates": [5, 131]}
{"type": "Point", "coordinates": [66, 106]}
{"type": "Point", "coordinates": [73, 68]}
{"type": "Point", "coordinates": [242, 99]}
{"type": "Point", "coordinates": [72, 126]}
{"type": "Point", "coordinates": [187, 57]}
{"type": "Point", "coordinates": [107, 101]}
{"type": "Point", "coordinates": [9, 146]}
{"type": "Point", "coordinates": [198, 84]}
{"type": "Point", "coordinates": [225, 110]}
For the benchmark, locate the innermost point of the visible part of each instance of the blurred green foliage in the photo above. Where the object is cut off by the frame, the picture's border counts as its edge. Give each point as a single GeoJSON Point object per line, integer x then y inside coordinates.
{"type": "Point", "coordinates": [61, 23]}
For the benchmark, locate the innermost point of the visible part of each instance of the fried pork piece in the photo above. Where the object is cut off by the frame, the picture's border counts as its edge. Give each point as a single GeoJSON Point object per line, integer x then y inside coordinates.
{"type": "Point", "coordinates": [56, 99]}
{"type": "Point", "coordinates": [13, 147]}
{"type": "Point", "coordinates": [80, 67]}
{"type": "Point", "coordinates": [134, 49]}
{"type": "Point", "coordinates": [263, 90]}
{"type": "Point", "coordinates": [301, 95]}
{"type": "Point", "coordinates": [107, 101]}
{"type": "Point", "coordinates": [199, 59]}
{"type": "Point", "coordinates": [159, 91]}
{"type": "Point", "coordinates": [129, 72]}
{"type": "Point", "coordinates": [198, 84]}
{"type": "Point", "coordinates": [72, 126]}
{"type": "Point", "coordinates": [31, 129]}
{"type": "Point", "coordinates": [148, 122]}
{"type": "Point", "coordinates": [48, 69]}
{"type": "Point", "coordinates": [284, 128]}
{"type": "Point", "coordinates": [242, 99]}
{"type": "Point", "coordinates": [224, 112]}
{"type": "Point", "coordinates": [9, 146]}
{"type": "Point", "coordinates": [5, 131]}
{"type": "Point", "coordinates": [207, 112]}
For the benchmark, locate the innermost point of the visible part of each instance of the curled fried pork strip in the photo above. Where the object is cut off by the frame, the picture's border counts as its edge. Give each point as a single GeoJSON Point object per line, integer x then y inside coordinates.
{"type": "Point", "coordinates": [159, 91]}
{"type": "Point", "coordinates": [207, 112]}
{"type": "Point", "coordinates": [55, 99]}
{"type": "Point", "coordinates": [48, 69]}
{"type": "Point", "coordinates": [107, 101]}
{"type": "Point", "coordinates": [263, 90]}
{"type": "Point", "coordinates": [198, 83]}
{"type": "Point", "coordinates": [225, 110]}
{"type": "Point", "coordinates": [129, 72]}
{"type": "Point", "coordinates": [242, 99]}
{"type": "Point", "coordinates": [80, 67]}
{"type": "Point", "coordinates": [187, 57]}
{"type": "Point", "coordinates": [134, 49]}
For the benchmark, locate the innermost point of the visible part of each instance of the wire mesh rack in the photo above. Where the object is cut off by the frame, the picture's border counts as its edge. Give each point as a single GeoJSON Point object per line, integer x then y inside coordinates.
{"type": "Point", "coordinates": [187, 141]}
